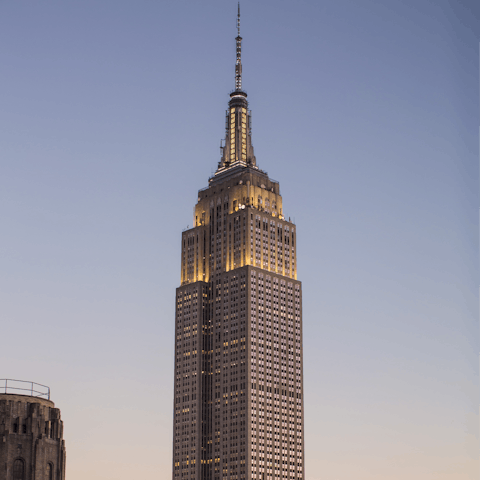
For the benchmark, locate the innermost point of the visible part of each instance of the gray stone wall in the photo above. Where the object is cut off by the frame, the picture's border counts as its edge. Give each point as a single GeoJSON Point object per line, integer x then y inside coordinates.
{"type": "Point", "coordinates": [31, 439]}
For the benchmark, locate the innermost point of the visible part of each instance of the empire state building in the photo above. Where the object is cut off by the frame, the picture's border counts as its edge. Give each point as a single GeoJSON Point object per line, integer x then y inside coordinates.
{"type": "Point", "coordinates": [238, 401]}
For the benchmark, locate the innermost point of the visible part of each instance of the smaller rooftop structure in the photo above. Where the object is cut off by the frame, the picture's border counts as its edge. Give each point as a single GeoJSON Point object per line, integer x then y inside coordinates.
{"type": "Point", "coordinates": [23, 387]}
{"type": "Point", "coordinates": [31, 433]}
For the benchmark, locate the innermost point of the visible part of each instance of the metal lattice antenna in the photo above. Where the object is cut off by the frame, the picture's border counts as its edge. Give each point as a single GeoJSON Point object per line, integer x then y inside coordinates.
{"type": "Point", "coordinates": [238, 19]}
{"type": "Point", "coordinates": [238, 64]}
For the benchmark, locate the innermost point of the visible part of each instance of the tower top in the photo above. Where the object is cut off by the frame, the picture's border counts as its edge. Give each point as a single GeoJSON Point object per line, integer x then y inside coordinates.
{"type": "Point", "coordinates": [238, 63]}
{"type": "Point", "coordinates": [238, 149]}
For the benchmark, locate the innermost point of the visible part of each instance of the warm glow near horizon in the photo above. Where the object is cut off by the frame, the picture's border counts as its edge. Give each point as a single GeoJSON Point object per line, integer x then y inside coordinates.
{"type": "Point", "coordinates": [365, 112]}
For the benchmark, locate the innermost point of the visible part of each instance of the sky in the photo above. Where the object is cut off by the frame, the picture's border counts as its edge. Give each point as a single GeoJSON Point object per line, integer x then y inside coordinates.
{"type": "Point", "coordinates": [366, 112]}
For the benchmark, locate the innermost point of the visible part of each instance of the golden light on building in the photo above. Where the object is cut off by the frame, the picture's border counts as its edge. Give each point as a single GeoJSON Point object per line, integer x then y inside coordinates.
{"type": "Point", "coordinates": [238, 407]}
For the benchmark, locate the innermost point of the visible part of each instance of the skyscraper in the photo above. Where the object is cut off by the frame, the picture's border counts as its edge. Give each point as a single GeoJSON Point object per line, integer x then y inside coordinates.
{"type": "Point", "coordinates": [238, 401]}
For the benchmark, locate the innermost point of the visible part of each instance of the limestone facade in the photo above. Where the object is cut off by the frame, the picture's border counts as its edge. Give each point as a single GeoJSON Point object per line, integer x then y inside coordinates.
{"type": "Point", "coordinates": [238, 402]}
{"type": "Point", "coordinates": [31, 439]}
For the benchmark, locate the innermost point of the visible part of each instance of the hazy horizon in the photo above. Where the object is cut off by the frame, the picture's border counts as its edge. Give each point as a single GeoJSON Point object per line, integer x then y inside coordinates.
{"type": "Point", "coordinates": [367, 115]}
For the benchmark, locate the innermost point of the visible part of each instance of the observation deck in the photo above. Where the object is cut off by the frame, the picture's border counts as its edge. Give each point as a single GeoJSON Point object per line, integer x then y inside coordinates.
{"type": "Point", "coordinates": [9, 386]}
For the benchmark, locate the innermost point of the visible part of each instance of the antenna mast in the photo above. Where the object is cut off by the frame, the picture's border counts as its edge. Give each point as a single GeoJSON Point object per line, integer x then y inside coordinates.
{"type": "Point", "coordinates": [238, 63]}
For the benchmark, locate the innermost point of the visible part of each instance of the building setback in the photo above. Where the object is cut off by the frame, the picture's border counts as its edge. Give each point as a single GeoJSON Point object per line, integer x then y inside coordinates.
{"type": "Point", "coordinates": [238, 400]}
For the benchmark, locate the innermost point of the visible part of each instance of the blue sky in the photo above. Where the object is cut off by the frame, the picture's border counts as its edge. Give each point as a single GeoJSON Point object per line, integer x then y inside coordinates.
{"type": "Point", "coordinates": [365, 112]}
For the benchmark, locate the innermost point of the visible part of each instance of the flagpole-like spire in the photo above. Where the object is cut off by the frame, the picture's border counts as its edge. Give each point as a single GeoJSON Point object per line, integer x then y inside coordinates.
{"type": "Point", "coordinates": [238, 19]}
{"type": "Point", "coordinates": [238, 63]}
{"type": "Point", "coordinates": [238, 148]}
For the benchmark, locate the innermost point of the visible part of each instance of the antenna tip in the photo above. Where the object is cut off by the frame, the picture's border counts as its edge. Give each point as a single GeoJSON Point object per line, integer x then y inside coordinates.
{"type": "Point", "coordinates": [238, 19]}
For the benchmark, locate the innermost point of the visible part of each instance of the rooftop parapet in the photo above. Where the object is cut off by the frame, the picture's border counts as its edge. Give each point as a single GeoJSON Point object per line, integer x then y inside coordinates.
{"type": "Point", "coordinates": [23, 387]}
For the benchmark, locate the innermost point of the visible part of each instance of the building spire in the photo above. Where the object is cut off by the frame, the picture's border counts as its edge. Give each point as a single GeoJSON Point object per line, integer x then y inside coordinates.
{"type": "Point", "coordinates": [238, 19]}
{"type": "Point", "coordinates": [238, 63]}
{"type": "Point", "coordinates": [238, 149]}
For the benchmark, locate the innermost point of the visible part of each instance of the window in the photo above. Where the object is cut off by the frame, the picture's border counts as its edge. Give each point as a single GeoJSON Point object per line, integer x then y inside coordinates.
{"type": "Point", "coordinates": [18, 469]}
{"type": "Point", "coordinates": [49, 472]}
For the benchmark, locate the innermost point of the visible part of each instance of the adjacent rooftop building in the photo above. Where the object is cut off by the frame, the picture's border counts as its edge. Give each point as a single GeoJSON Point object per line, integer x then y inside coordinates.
{"type": "Point", "coordinates": [31, 433]}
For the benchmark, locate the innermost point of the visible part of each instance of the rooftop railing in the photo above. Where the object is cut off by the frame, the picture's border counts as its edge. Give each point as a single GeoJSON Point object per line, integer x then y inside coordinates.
{"type": "Point", "coordinates": [22, 387]}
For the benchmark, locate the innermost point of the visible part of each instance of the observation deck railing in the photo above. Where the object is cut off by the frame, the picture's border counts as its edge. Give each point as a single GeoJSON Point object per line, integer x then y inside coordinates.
{"type": "Point", "coordinates": [22, 387]}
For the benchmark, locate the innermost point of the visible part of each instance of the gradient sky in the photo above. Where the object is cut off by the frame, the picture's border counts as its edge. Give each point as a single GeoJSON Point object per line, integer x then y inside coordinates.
{"type": "Point", "coordinates": [366, 112]}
